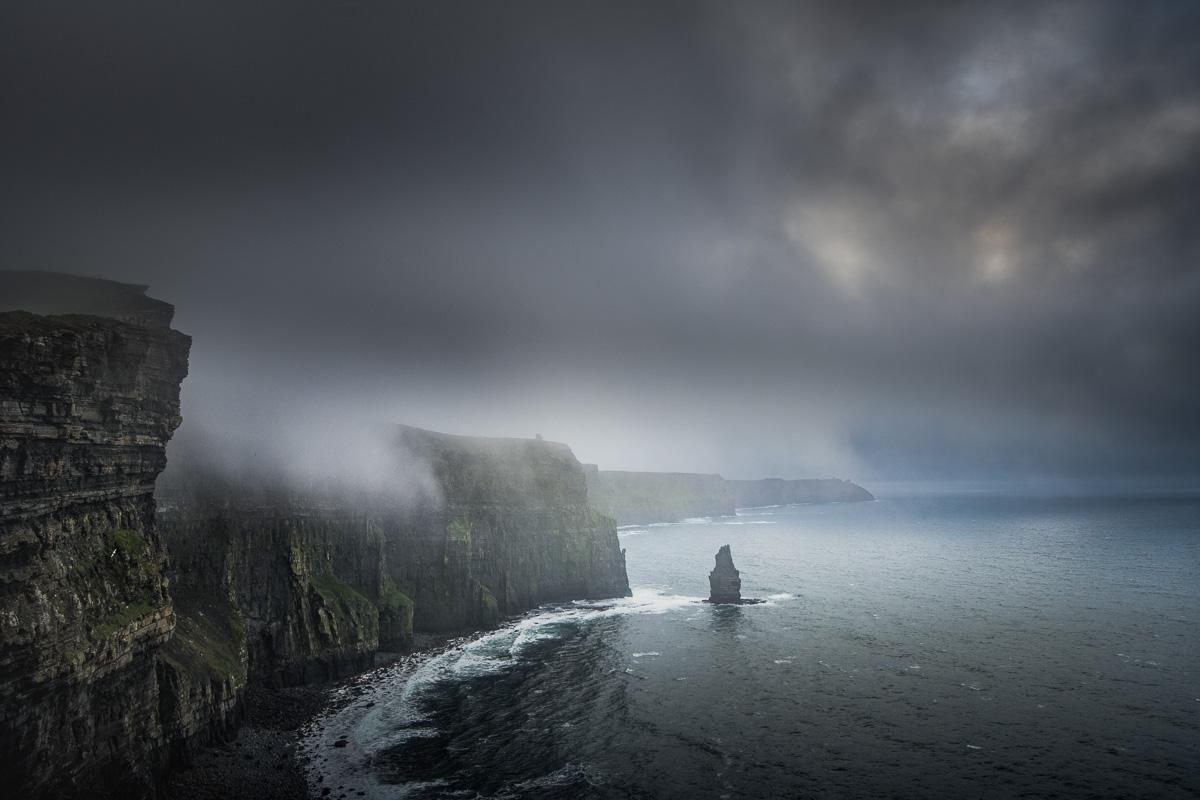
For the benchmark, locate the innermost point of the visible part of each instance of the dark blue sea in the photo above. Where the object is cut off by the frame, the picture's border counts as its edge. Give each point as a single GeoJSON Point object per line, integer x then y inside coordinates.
{"type": "Point", "coordinates": [967, 646]}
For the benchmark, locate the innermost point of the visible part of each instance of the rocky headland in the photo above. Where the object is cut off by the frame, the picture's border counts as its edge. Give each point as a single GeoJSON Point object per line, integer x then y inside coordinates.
{"type": "Point", "coordinates": [132, 639]}
{"type": "Point", "coordinates": [87, 405]}
{"type": "Point", "coordinates": [779, 492]}
{"type": "Point", "coordinates": [642, 498]}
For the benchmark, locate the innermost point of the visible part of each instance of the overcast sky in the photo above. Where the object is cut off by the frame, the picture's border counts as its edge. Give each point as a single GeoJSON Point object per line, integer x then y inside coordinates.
{"type": "Point", "coordinates": [881, 241]}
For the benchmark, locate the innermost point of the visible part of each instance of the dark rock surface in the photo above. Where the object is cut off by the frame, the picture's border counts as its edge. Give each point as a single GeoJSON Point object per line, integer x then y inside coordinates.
{"type": "Point", "coordinates": [511, 530]}
{"type": "Point", "coordinates": [306, 581]}
{"type": "Point", "coordinates": [725, 582]}
{"type": "Point", "coordinates": [132, 640]}
{"type": "Point", "coordinates": [262, 761]}
{"type": "Point", "coordinates": [322, 580]}
{"type": "Point", "coordinates": [57, 293]}
{"type": "Point", "coordinates": [86, 408]}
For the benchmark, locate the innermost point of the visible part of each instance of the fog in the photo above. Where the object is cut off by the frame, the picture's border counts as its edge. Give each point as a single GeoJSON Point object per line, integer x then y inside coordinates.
{"type": "Point", "coordinates": [885, 242]}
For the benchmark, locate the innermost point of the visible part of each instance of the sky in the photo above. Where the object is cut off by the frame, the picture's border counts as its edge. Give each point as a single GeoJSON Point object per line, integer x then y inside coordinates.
{"type": "Point", "coordinates": [878, 241]}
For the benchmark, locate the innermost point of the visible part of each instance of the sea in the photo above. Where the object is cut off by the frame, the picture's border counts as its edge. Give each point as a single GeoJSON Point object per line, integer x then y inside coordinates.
{"type": "Point", "coordinates": [967, 645]}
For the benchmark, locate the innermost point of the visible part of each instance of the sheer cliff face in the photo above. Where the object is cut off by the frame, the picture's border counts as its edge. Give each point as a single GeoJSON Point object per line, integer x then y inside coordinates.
{"type": "Point", "coordinates": [321, 581]}
{"type": "Point", "coordinates": [513, 530]}
{"type": "Point", "coordinates": [306, 579]}
{"type": "Point", "coordinates": [105, 678]}
{"type": "Point", "coordinates": [86, 408]}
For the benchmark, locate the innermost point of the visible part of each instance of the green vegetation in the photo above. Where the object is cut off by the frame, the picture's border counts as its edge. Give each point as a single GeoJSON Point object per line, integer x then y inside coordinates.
{"type": "Point", "coordinates": [460, 530]}
{"type": "Point", "coordinates": [116, 586]}
{"type": "Point", "coordinates": [118, 618]}
{"type": "Point", "coordinates": [209, 633]}
{"type": "Point", "coordinates": [392, 601]}
{"type": "Point", "coordinates": [351, 611]}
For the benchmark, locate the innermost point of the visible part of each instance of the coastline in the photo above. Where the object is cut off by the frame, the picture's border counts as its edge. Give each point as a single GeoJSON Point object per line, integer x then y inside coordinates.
{"type": "Point", "coordinates": [267, 759]}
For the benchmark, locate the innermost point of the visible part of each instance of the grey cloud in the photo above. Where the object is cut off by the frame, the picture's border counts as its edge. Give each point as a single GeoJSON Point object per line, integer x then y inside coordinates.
{"type": "Point", "coordinates": [880, 240]}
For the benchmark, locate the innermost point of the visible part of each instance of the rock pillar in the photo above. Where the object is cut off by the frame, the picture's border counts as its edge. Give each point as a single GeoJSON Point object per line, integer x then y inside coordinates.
{"type": "Point", "coordinates": [725, 583]}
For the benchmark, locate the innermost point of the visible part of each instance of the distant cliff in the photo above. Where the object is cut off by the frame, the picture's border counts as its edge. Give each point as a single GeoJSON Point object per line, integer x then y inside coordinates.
{"type": "Point", "coordinates": [322, 581]}
{"type": "Point", "coordinates": [777, 492]}
{"type": "Point", "coordinates": [640, 498]}
{"type": "Point", "coordinates": [513, 529]}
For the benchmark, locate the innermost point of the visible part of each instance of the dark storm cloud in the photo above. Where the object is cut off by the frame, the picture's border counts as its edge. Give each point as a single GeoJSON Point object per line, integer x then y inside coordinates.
{"type": "Point", "coordinates": [873, 239]}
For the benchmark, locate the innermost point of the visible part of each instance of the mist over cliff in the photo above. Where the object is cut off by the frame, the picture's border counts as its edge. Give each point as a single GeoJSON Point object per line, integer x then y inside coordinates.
{"type": "Point", "coordinates": [878, 241]}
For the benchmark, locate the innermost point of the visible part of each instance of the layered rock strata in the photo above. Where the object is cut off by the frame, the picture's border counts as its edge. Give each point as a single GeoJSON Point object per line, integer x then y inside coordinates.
{"type": "Point", "coordinates": [127, 637]}
{"type": "Point", "coordinates": [322, 580]}
{"type": "Point", "coordinates": [86, 407]}
{"type": "Point", "coordinates": [305, 578]}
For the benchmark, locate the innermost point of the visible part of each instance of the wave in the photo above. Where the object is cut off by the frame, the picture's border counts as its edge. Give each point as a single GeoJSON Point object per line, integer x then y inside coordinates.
{"type": "Point", "coordinates": [388, 712]}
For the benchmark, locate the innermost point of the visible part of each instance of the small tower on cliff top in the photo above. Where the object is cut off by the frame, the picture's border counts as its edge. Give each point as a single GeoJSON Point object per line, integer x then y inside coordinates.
{"type": "Point", "coordinates": [725, 582]}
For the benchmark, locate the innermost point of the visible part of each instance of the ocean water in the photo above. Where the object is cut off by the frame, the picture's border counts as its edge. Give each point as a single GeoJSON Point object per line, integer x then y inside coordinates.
{"type": "Point", "coordinates": [919, 647]}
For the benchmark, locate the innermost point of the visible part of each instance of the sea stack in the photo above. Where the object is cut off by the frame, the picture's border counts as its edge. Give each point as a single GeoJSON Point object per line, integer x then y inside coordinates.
{"type": "Point", "coordinates": [725, 583]}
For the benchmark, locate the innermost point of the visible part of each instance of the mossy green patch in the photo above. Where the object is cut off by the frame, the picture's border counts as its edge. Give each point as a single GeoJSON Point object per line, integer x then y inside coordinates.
{"type": "Point", "coordinates": [391, 599]}
{"type": "Point", "coordinates": [209, 633]}
{"type": "Point", "coordinates": [117, 585]}
{"type": "Point", "coordinates": [130, 543]}
{"type": "Point", "coordinates": [459, 530]}
{"type": "Point", "coordinates": [118, 617]}
{"type": "Point", "coordinates": [355, 616]}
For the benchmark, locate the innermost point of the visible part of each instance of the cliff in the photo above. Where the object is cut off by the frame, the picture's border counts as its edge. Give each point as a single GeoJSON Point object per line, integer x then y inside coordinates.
{"type": "Point", "coordinates": [777, 492]}
{"type": "Point", "coordinates": [129, 634]}
{"type": "Point", "coordinates": [86, 407]}
{"type": "Point", "coordinates": [322, 580]}
{"type": "Point", "coordinates": [304, 581]}
{"type": "Point", "coordinates": [56, 293]}
{"type": "Point", "coordinates": [513, 529]}
{"type": "Point", "coordinates": [638, 498]}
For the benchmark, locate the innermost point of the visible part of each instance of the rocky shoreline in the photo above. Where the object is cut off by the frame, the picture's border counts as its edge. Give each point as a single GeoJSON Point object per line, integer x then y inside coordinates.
{"type": "Point", "coordinates": [266, 761]}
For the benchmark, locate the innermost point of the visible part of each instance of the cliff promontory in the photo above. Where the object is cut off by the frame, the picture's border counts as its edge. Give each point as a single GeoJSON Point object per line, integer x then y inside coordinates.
{"type": "Point", "coordinates": [778, 492]}
{"type": "Point", "coordinates": [87, 405]}
{"type": "Point", "coordinates": [512, 529]}
{"type": "Point", "coordinates": [129, 633]}
{"type": "Point", "coordinates": [641, 498]}
{"type": "Point", "coordinates": [322, 579]}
